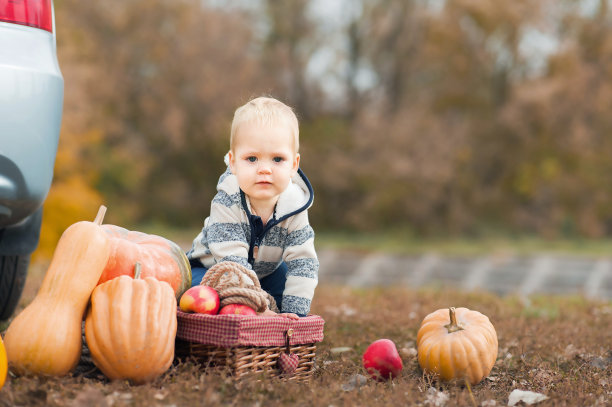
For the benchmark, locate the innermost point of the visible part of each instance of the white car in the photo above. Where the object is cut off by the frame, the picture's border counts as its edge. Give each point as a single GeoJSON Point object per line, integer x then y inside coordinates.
{"type": "Point", "coordinates": [31, 100]}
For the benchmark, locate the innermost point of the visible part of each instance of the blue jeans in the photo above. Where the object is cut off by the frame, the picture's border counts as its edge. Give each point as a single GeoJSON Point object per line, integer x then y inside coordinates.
{"type": "Point", "coordinates": [273, 284]}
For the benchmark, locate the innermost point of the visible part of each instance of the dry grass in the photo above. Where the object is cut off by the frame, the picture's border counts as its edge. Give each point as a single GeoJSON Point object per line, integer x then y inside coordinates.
{"type": "Point", "coordinates": [561, 347]}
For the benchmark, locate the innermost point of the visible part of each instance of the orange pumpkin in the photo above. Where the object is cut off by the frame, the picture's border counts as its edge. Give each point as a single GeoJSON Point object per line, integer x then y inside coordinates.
{"type": "Point", "coordinates": [130, 328]}
{"type": "Point", "coordinates": [3, 363]}
{"type": "Point", "coordinates": [159, 258]}
{"type": "Point", "coordinates": [46, 337]}
{"type": "Point", "coordinates": [457, 344]}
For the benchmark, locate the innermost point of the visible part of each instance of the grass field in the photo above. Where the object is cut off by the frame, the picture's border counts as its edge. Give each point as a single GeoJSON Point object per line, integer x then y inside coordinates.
{"type": "Point", "coordinates": [560, 347]}
{"type": "Point", "coordinates": [403, 242]}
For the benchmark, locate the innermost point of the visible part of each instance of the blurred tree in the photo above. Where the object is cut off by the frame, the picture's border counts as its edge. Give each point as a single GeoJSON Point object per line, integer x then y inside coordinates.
{"type": "Point", "coordinates": [72, 197]}
{"type": "Point", "coordinates": [164, 82]}
{"type": "Point", "coordinates": [290, 40]}
{"type": "Point", "coordinates": [451, 131]}
{"type": "Point", "coordinates": [441, 77]}
{"type": "Point", "coordinates": [560, 184]}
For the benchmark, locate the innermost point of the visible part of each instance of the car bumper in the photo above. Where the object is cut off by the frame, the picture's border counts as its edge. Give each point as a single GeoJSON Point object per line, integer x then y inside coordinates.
{"type": "Point", "coordinates": [31, 99]}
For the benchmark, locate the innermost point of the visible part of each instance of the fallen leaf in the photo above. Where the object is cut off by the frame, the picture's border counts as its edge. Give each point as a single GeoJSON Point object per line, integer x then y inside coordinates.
{"type": "Point", "coordinates": [90, 397]}
{"type": "Point", "coordinates": [600, 402]}
{"type": "Point", "coordinates": [436, 398]}
{"type": "Point", "coordinates": [527, 397]}
{"type": "Point", "coordinates": [600, 363]}
{"type": "Point", "coordinates": [570, 352]}
{"type": "Point", "coordinates": [489, 403]}
{"type": "Point", "coordinates": [408, 352]}
{"type": "Point", "coordinates": [355, 382]}
{"type": "Point", "coordinates": [342, 309]}
{"type": "Point", "coordinates": [160, 395]}
{"type": "Point", "coordinates": [341, 349]}
{"type": "Point", "coordinates": [126, 396]}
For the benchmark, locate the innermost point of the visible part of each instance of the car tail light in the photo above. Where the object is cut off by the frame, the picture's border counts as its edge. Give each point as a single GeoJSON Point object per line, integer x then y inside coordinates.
{"type": "Point", "coordinates": [35, 13]}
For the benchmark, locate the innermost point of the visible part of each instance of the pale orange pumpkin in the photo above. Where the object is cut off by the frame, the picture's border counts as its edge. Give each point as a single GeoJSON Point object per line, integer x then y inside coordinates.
{"type": "Point", "coordinates": [130, 328]}
{"type": "Point", "coordinates": [457, 344]}
{"type": "Point", "coordinates": [159, 258]}
{"type": "Point", "coordinates": [46, 337]}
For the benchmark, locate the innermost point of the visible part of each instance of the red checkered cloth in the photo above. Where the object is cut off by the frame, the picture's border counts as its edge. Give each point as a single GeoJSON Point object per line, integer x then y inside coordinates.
{"type": "Point", "coordinates": [242, 330]}
{"type": "Point", "coordinates": [288, 363]}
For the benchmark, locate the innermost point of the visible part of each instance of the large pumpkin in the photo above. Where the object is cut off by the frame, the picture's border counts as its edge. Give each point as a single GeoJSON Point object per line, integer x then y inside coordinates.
{"type": "Point", "coordinates": [46, 337]}
{"type": "Point", "coordinates": [130, 328]}
{"type": "Point", "coordinates": [457, 344]}
{"type": "Point", "coordinates": [159, 258]}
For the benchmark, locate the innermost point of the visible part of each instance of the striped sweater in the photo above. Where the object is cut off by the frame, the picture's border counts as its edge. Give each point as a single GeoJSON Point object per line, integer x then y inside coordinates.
{"type": "Point", "coordinates": [233, 233]}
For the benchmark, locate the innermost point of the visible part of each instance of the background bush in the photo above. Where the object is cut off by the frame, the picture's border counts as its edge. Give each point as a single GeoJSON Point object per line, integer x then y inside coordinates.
{"type": "Point", "coordinates": [441, 118]}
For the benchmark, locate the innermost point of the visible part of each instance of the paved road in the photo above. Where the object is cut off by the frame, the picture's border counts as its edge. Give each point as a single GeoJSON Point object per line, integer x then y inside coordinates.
{"type": "Point", "coordinates": [550, 274]}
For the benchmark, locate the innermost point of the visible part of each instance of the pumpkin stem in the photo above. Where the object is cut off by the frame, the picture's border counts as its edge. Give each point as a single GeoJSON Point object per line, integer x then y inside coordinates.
{"type": "Point", "coordinates": [137, 268]}
{"type": "Point", "coordinates": [100, 215]}
{"type": "Point", "coordinates": [453, 326]}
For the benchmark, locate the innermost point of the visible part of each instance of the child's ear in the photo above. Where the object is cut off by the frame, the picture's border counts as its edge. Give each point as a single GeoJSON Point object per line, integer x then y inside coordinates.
{"type": "Point", "coordinates": [296, 164]}
{"type": "Point", "coordinates": [231, 160]}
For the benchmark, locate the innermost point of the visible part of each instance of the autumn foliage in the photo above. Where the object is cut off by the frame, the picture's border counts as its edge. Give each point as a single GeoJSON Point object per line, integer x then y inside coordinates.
{"type": "Point", "coordinates": [452, 117]}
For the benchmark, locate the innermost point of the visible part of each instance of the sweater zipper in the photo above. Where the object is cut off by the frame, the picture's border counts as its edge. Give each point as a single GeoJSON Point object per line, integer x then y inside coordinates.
{"type": "Point", "coordinates": [257, 239]}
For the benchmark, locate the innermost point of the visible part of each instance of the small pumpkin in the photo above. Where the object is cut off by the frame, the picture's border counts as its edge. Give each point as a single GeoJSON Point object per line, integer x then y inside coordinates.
{"type": "Point", "coordinates": [159, 258]}
{"type": "Point", "coordinates": [3, 363]}
{"type": "Point", "coordinates": [46, 337]}
{"type": "Point", "coordinates": [130, 327]}
{"type": "Point", "coordinates": [457, 344]}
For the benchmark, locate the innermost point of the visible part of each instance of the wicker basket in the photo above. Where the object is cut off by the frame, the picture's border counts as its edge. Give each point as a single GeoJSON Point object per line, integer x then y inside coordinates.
{"type": "Point", "coordinates": [245, 345]}
{"type": "Point", "coordinates": [245, 360]}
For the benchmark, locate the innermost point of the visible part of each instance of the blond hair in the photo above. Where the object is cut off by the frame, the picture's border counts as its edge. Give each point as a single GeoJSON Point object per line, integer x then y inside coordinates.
{"type": "Point", "coordinates": [266, 111]}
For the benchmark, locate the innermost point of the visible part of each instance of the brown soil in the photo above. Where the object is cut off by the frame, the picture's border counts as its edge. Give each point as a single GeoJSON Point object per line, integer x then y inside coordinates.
{"type": "Point", "coordinates": [560, 347]}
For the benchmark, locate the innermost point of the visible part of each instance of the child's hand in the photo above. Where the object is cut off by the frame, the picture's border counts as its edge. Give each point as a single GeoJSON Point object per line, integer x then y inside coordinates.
{"type": "Point", "coordinates": [288, 315]}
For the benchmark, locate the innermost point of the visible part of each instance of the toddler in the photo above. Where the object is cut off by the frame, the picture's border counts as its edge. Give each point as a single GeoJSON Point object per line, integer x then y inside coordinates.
{"type": "Point", "coordinates": [259, 216]}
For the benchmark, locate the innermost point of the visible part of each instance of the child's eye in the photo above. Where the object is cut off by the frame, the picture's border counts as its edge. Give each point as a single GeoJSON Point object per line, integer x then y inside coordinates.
{"type": "Point", "coordinates": [252, 159]}
{"type": "Point", "coordinates": [278, 159]}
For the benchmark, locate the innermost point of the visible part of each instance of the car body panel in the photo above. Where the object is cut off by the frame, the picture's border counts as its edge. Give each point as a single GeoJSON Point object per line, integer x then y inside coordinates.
{"type": "Point", "coordinates": [31, 103]}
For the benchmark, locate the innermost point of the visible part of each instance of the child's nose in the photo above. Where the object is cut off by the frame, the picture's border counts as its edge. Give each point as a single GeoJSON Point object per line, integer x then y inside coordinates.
{"type": "Point", "coordinates": [264, 168]}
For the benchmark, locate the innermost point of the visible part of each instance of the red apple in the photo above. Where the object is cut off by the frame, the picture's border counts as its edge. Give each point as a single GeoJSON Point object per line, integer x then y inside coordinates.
{"type": "Point", "coordinates": [201, 299]}
{"type": "Point", "coordinates": [381, 360]}
{"type": "Point", "coordinates": [237, 309]}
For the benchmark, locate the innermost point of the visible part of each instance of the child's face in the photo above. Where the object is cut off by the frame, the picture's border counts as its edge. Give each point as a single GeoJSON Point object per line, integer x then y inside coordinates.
{"type": "Point", "coordinates": [263, 159]}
